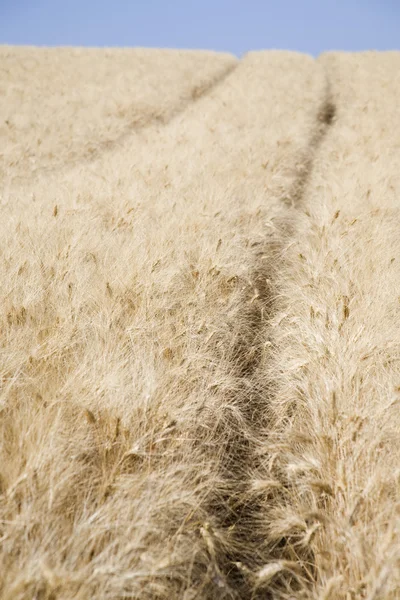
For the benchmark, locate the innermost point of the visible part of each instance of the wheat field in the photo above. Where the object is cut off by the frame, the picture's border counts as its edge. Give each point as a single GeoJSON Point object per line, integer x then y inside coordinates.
{"type": "Point", "coordinates": [199, 325]}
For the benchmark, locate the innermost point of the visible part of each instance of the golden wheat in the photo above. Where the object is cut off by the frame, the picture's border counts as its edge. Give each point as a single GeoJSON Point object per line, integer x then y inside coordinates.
{"type": "Point", "coordinates": [199, 345]}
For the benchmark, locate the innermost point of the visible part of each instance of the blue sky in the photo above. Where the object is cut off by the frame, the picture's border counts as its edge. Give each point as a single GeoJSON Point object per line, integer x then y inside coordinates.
{"type": "Point", "coordinates": [310, 26]}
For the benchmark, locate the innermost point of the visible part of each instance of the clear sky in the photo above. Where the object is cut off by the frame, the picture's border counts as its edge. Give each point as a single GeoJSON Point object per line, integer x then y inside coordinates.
{"type": "Point", "coordinates": [235, 26]}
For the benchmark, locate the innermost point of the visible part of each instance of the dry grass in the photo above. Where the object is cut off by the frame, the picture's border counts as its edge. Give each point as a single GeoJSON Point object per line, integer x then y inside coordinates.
{"type": "Point", "coordinates": [198, 342]}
